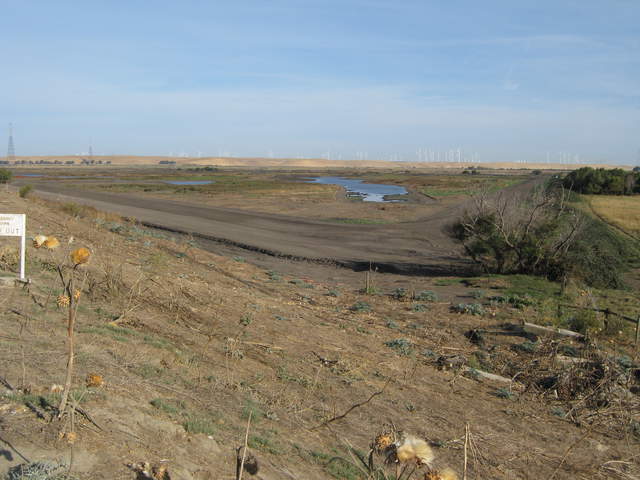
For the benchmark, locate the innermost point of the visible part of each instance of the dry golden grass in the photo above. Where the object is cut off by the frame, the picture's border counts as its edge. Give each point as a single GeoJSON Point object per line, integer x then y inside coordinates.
{"type": "Point", "coordinates": [623, 212]}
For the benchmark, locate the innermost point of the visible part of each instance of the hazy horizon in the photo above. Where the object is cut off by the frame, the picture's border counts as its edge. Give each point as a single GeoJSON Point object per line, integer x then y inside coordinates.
{"type": "Point", "coordinates": [382, 80]}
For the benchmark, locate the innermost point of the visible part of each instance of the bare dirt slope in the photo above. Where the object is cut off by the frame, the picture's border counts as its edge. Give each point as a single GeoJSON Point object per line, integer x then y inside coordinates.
{"type": "Point", "coordinates": [189, 344]}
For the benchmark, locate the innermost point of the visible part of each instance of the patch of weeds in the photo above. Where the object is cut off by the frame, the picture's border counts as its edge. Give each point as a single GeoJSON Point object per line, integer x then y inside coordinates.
{"type": "Point", "coordinates": [568, 350]}
{"type": "Point", "coordinates": [429, 353]}
{"type": "Point", "coordinates": [333, 293]}
{"type": "Point", "coordinates": [239, 259]}
{"type": "Point", "coordinates": [401, 345]}
{"type": "Point", "coordinates": [392, 324]}
{"type": "Point", "coordinates": [361, 306]}
{"type": "Point", "coordinates": [246, 320]}
{"type": "Point", "coordinates": [146, 370]}
{"type": "Point", "coordinates": [198, 424]}
{"type": "Point", "coordinates": [120, 334]}
{"type": "Point", "coordinates": [265, 444]}
{"type": "Point", "coordinates": [400, 293]}
{"type": "Point", "coordinates": [426, 296]}
{"type": "Point", "coordinates": [370, 291]}
{"type": "Point", "coordinates": [157, 342]}
{"type": "Point", "coordinates": [42, 470]}
{"type": "Point", "coordinates": [363, 330]}
{"type": "Point", "coordinates": [280, 318]}
{"type": "Point", "coordinates": [419, 307]}
{"type": "Point", "coordinates": [284, 375]}
{"type": "Point", "coordinates": [516, 301]}
{"type": "Point", "coordinates": [504, 393]}
{"type": "Point", "coordinates": [337, 466]}
{"type": "Point", "coordinates": [468, 308]}
{"type": "Point", "coordinates": [170, 407]}
{"type": "Point", "coordinates": [585, 322]}
{"type": "Point", "coordinates": [477, 294]}
{"type": "Point", "coordinates": [252, 408]}
{"type": "Point", "coordinates": [301, 283]}
{"type": "Point", "coordinates": [274, 276]}
{"type": "Point", "coordinates": [558, 412]}
{"type": "Point", "coordinates": [526, 346]}
{"type": "Point", "coordinates": [625, 362]}
{"type": "Point", "coordinates": [410, 407]}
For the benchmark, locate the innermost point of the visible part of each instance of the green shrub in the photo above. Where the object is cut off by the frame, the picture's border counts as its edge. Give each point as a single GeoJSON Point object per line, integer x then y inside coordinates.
{"type": "Point", "coordinates": [426, 296]}
{"type": "Point", "coordinates": [197, 424]}
{"type": "Point", "coordinates": [400, 293]}
{"type": "Point", "coordinates": [400, 345]}
{"type": "Point", "coordinates": [360, 307]}
{"type": "Point", "coordinates": [419, 307]}
{"type": "Point", "coordinates": [469, 308]}
{"type": "Point", "coordinates": [25, 190]}
{"type": "Point", "coordinates": [5, 175]}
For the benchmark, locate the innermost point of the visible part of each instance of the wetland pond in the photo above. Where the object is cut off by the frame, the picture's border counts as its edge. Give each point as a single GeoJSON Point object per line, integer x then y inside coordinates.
{"type": "Point", "coordinates": [189, 182]}
{"type": "Point", "coordinates": [368, 192]}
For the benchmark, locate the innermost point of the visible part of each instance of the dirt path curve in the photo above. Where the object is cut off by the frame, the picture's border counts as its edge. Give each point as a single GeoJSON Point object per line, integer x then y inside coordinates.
{"type": "Point", "coordinates": [420, 247]}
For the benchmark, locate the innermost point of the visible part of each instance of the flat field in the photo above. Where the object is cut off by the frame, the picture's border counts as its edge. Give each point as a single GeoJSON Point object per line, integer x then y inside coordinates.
{"type": "Point", "coordinates": [621, 211]}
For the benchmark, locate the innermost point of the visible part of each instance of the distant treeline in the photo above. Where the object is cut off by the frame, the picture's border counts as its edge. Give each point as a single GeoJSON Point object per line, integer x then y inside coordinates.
{"type": "Point", "coordinates": [602, 181]}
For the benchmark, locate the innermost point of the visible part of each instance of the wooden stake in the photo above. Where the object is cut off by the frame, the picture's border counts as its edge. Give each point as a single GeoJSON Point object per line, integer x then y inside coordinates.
{"type": "Point", "coordinates": [244, 451]}
{"type": "Point", "coordinates": [466, 445]}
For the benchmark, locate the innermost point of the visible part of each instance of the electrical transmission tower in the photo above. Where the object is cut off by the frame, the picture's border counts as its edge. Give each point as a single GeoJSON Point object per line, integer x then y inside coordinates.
{"type": "Point", "coordinates": [11, 150]}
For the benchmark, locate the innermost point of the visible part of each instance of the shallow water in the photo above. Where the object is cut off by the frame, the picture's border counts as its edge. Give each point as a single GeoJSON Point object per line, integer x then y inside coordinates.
{"type": "Point", "coordinates": [370, 192]}
{"type": "Point", "coordinates": [188, 182]}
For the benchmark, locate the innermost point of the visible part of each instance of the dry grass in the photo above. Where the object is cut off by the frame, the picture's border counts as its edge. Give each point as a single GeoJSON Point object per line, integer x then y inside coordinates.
{"type": "Point", "coordinates": [623, 212]}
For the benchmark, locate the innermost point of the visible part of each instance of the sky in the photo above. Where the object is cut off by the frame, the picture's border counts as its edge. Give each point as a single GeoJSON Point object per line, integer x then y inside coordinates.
{"type": "Point", "coordinates": [378, 79]}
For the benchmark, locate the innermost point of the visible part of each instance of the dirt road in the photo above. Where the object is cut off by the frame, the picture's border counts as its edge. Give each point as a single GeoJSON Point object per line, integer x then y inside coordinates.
{"type": "Point", "coordinates": [420, 247]}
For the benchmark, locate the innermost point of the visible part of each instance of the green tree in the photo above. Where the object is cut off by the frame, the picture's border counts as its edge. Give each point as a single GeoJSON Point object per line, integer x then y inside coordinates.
{"type": "Point", "coordinates": [5, 175]}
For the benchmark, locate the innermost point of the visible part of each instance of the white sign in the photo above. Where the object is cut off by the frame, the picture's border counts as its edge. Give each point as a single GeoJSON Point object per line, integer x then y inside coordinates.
{"type": "Point", "coordinates": [13, 225]}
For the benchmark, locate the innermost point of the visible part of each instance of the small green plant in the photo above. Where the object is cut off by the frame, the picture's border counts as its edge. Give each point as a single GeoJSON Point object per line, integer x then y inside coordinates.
{"type": "Point", "coordinates": [25, 190]}
{"type": "Point", "coordinates": [401, 346]}
{"type": "Point", "coordinates": [419, 307]}
{"type": "Point", "coordinates": [274, 276]}
{"type": "Point", "coordinates": [526, 346]}
{"type": "Point", "coordinates": [239, 259]}
{"type": "Point", "coordinates": [360, 306]}
{"type": "Point", "coordinates": [252, 408]}
{"type": "Point", "coordinates": [504, 393]}
{"type": "Point", "coordinates": [391, 324]}
{"type": "Point", "coordinates": [585, 322]}
{"type": "Point", "coordinates": [265, 444]}
{"type": "Point", "coordinates": [426, 296]}
{"type": "Point", "coordinates": [558, 412]}
{"type": "Point", "coordinates": [198, 424]}
{"type": "Point", "coordinates": [477, 294]}
{"type": "Point", "coordinates": [400, 293]}
{"type": "Point", "coordinates": [468, 308]}
{"type": "Point", "coordinates": [246, 320]}
{"type": "Point", "coordinates": [170, 407]}
{"type": "Point", "coordinates": [333, 293]}
{"type": "Point", "coordinates": [301, 283]}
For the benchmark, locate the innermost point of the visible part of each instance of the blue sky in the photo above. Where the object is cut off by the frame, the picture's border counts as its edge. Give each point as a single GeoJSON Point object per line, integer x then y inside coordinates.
{"type": "Point", "coordinates": [504, 80]}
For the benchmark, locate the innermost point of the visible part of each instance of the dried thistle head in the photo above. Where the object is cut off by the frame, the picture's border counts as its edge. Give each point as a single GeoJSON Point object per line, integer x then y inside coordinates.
{"type": "Point", "coordinates": [76, 294]}
{"type": "Point", "coordinates": [382, 442]}
{"type": "Point", "coordinates": [71, 437]}
{"type": "Point", "coordinates": [80, 256]}
{"type": "Point", "coordinates": [38, 240]}
{"type": "Point", "coordinates": [63, 301]}
{"type": "Point", "coordinates": [94, 380]}
{"type": "Point", "coordinates": [51, 243]}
